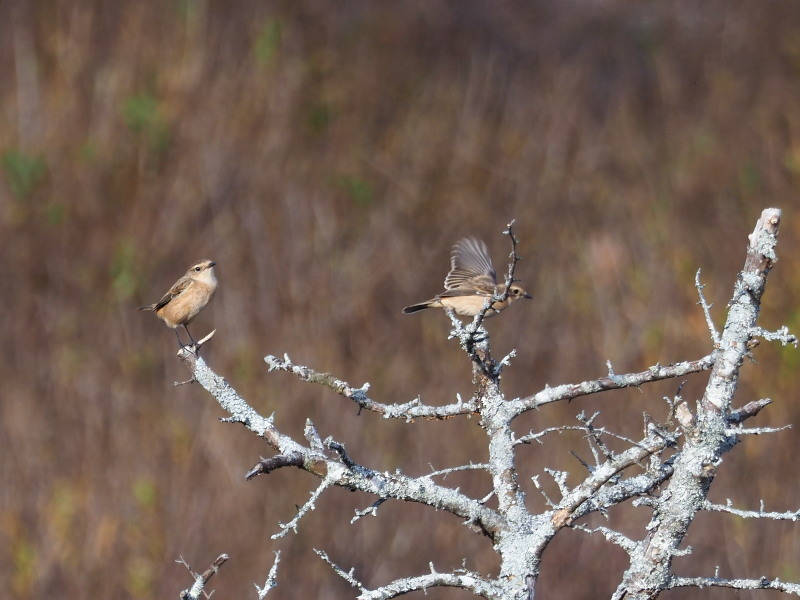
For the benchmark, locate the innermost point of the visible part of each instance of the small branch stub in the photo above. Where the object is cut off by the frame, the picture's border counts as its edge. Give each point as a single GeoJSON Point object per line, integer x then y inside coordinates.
{"type": "Point", "coordinates": [188, 355]}
{"type": "Point", "coordinates": [266, 465]}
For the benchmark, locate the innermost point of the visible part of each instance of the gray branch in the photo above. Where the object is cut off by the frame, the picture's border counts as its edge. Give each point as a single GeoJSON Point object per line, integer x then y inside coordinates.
{"type": "Point", "coordinates": [656, 441]}
{"type": "Point", "coordinates": [680, 457]}
{"type": "Point", "coordinates": [414, 409]}
{"type": "Point", "coordinates": [696, 464]}
{"type": "Point", "coordinates": [752, 514]}
{"type": "Point", "coordinates": [737, 584]}
{"type": "Point", "coordinates": [471, 582]}
{"type": "Point", "coordinates": [272, 578]}
{"type": "Point", "coordinates": [336, 471]}
{"type": "Point", "coordinates": [706, 310]}
{"type": "Point", "coordinates": [201, 579]}
{"type": "Point", "coordinates": [612, 382]}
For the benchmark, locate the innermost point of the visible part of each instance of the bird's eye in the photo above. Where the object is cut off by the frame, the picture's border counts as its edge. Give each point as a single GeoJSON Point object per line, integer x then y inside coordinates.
{"type": "Point", "coordinates": [515, 291]}
{"type": "Point", "coordinates": [198, 269]}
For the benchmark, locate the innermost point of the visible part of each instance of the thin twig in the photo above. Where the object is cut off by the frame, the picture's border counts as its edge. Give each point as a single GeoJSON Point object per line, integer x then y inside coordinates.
{"type": "Point", "coordinates": [762, 583]}
{"type": "Point", "coordinates": [193, 593]}
{"type": "Point", "coordinates": [308, 506]}
{"type": "Point", "coordinates": [272, 578]}
{"type": "Point", "coordinates": [348, 576]}
{"type": "Point", "coordinates": [752, 514]}
{"type": "Point", "coordinates": [706, 310]}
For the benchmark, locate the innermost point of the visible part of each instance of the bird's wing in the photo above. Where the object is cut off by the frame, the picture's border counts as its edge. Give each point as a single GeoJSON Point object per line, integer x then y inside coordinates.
{"type": "Point", "coordinates": [469, 290]}
{"type": "Point", "coordinates": [470, 265]}
{"type": "Point", "coordinates": [177, 289]}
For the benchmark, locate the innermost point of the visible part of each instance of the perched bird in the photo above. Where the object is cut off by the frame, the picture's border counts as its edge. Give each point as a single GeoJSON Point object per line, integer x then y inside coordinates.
{"type": "Point", "coordinates": [470, 283]}
{"type": "Point", "coordinates": [184, 300]}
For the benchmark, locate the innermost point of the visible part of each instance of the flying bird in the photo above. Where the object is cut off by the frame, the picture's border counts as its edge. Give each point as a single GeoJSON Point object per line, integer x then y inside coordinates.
{"type": "Point", "coordinates": [470, 283]}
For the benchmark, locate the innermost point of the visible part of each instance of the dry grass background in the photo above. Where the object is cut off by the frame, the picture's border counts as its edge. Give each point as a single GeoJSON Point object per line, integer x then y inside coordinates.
{"type": "Point", "coordinates": [327, 156]}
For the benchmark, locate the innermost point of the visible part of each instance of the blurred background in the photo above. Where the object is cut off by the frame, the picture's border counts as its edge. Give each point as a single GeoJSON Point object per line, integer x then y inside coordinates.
{"type": "Point", "coordinates": [327, 156]}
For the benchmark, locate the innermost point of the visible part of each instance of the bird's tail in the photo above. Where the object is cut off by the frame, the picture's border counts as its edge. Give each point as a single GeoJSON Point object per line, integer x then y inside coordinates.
{"type": "Point", "coordinates": [416, 307]}
{"type": "Point", "coordinates": [149, 307]}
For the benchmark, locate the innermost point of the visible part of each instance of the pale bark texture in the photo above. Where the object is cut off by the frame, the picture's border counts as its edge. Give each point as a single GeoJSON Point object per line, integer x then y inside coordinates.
{"type": "Point", "coordinates": [670, 469]}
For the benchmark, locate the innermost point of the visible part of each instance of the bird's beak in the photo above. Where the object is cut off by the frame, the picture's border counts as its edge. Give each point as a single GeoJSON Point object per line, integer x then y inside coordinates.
{"type": "Point", "coordinates": [212, 264]}
{"type": "Point", "coordinates": [528, 296]}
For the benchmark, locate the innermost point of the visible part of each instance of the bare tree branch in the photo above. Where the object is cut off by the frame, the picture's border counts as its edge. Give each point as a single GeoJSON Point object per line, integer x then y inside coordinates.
{"type": "Point", "coordinates": [751, 409]}
{"type": "Point", "coordinates": [615, 382]}
{"type": "Point", "coordinates": [655, 442]}
{"type": "Point", "coordinates": [696, 464]}
{"type": "Point", "coordinates": [272, 579]}
{"type": "Point", "coordinates": [706, 310]}
{"type": "Point", "coordinates": [407, 411]}
{"type": "Point", "coordinates": [471, 582]}
{"type": "Point", "coordinates": [680, 457]}
{"type": "Point", "coordinates": [737, 584]}
{"type": "Point", "coordinates": [200, 580]}
{"type": "Point", "coordinates": [752, 514]}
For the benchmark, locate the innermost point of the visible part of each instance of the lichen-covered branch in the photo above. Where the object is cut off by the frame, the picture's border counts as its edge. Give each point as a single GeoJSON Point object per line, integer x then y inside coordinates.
{"type": "Point", "coordinates": [470, 582]}
{"type": "Point", "coordinates": [680, 457]}
{"type": "Point", "coordinates": [762, 583]}
{"type": "Point", "coordinates": [462, 578]}
{"type": "Point", "coordinates": [612, 382]}
{"type": "Point", "coordinates": [201, 579]}
{"type": "Point", "coordinates": [752, 514]}
{"type": "Point", "coordinates": [414, 409]}
{"type": "Point", "coordinates": [336, 469]}
{"type": "Point", "coordinates": [656, 441]}
{"type": "Point", "coordinates": [272, 578]}
{"type": "Point", "coordinates": [696, 464]}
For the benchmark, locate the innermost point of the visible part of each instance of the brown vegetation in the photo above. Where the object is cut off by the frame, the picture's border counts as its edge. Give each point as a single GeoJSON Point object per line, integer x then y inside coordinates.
{"type": "Point", "coordinates": [327, 157]}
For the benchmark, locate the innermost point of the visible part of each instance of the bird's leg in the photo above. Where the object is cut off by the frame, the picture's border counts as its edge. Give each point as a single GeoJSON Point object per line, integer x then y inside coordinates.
{"type": "Point", "coordinates": [190, 335]}
{"type": "Point", "coordinates": [191, 347]}
{"type": "Point", "coordinates": [194, 347]}
{"type": "Point", "coordinates": [177, 335]}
